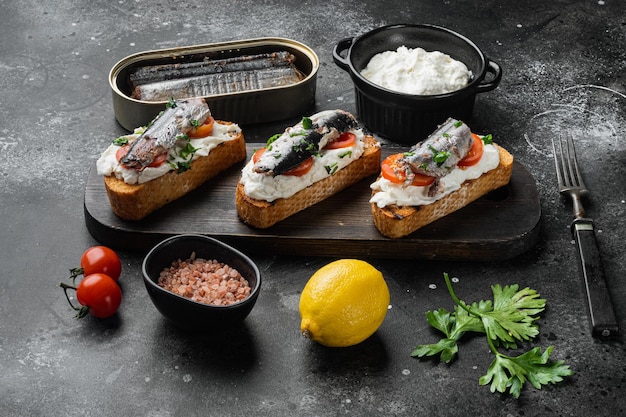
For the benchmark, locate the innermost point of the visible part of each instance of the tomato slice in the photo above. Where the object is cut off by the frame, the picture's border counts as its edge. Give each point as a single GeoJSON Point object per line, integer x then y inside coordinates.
{"type": "Point", "coordinates": [123, 150]}
{"type": "Point", "coordinates": [343, 141]}
{"type": "Point", "coordinates": [156, 162]}
{"type": "Point", "coordinates": [392, 170]}
{"type": "Point", "coordinates": [297, 171]}
{"type": "Point", "coordinates": [300, 169]}
{"type": "Point", "coordinates": [474, 154]}
{"type": "Point", "coordinates": [204, 130]}
{"type": "Point", "coordinates": [257, 155]}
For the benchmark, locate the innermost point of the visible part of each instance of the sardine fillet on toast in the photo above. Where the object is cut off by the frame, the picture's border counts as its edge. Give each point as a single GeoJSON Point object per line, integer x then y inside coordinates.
{"type": "Point", "coordinates": [165, 130]}
{"type": "Point", "coordinates": [262, 214]}
{"type": "Point", "coordinates": [301, 141]}
{"type": "Point", "coordinates": [395, 221]}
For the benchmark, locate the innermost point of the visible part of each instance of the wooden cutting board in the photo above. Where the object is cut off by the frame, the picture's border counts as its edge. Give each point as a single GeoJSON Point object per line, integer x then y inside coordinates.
{"type": "Point", "coordinates": [499, 226]}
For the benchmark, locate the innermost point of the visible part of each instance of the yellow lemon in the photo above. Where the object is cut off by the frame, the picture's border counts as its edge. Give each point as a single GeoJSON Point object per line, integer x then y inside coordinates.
{"type": "Point", "coordinates": [343, 303]}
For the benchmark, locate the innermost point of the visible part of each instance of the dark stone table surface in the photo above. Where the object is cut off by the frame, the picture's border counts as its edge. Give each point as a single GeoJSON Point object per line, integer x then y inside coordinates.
{"type": "Point", "coordinates": [564, 64]}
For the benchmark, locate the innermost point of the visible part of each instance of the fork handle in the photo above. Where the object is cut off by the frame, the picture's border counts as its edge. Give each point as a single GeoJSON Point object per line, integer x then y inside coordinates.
{"type": "Point", "coordinates": [601, 311]}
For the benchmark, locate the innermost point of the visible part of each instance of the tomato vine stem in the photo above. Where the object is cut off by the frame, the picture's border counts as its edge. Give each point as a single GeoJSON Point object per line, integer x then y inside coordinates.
{"type": "Point", "coordinates": [83, 310]}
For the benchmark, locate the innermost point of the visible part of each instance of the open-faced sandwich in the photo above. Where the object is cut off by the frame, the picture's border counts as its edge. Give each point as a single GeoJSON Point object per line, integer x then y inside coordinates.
{"type": "Point", "coordinates": [436, 177]}
{"type": "Point", "coordinates": [181, 148]}
{"type": "Point", "coordinates": [318, 157]}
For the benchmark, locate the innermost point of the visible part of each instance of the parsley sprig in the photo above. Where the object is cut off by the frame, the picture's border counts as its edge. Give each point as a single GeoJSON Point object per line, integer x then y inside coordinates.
{"type": "Point", "coordinates": [439, 156]}
{"type": "Point", "coordinates": [121, 141]}
{"type": "Point", "coordinates": [507, 320]}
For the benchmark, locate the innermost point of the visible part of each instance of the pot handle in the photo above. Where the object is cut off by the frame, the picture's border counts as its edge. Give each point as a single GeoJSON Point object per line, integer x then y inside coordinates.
{"type": "Point", "coordinates": [342, 46]}
{"type": "Point", "coordinates": [494, 69]}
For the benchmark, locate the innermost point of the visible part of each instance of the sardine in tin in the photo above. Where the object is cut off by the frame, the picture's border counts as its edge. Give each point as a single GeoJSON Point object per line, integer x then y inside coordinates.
{"type": "Point", "coordinates": [244, 107]}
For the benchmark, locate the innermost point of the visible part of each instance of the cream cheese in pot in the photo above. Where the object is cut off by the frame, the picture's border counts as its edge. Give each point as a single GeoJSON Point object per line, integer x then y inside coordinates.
{"type": "Point", "coordinates": [416, 71]}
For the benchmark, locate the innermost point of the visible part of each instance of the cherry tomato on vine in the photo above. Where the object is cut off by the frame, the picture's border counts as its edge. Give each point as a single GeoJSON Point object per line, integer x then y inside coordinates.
{"type": "Point", "coordinates": [99, 259]}
{"type": "Point", "coordinates": [99, 295]}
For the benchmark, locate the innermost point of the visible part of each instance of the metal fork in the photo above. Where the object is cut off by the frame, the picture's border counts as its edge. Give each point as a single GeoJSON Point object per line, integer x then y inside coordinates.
{"type": "Point", "coordinates": [601, 311]}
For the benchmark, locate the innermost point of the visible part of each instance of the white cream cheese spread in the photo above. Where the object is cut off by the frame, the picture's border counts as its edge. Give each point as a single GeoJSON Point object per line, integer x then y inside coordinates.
{"type": "Point", "coordinates": [108, 164]}
{"type": "Point", "coordinates": [409, 195]}
{"type": "Point", "coordinates": [326, 163]}
{"type": "Point", "coordinates": [416, 71]}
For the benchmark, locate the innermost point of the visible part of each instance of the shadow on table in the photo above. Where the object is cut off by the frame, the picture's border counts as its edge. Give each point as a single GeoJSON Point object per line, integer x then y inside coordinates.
{"type": "Point", "coordinates": [227, 350]}
{"type": "Point", "coordinates": [368, 356]}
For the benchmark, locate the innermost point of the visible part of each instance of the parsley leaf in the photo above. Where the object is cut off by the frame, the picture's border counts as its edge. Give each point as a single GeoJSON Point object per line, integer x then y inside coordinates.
{"type": "Point", "coordinates": [514, 314]}
{"type": "Point", "coordinates": [487, 139]}
{"type": "Point", "coordinates": [171, 103]}
{"type": "Point", "coordinates": [307, 123]}
{"type": "Point", "coordinates": [121, 141]}
{"type": "Point", "coordinates": [439, 156]}
{"type": "Point", "coordinates": [332, 168]}
{"type": "Point", "coordinates": [446, 348]}
{"type": "Point", "coordinates": [187, 151]}
{"type": "Point", "coordinates": [510, 318]}
{"type": "Point", "coordinates": [271, 140]}
{"type": "Point", "coordinates": [532, 366]}
{"type": "Point", "coordinates": [183, 166]}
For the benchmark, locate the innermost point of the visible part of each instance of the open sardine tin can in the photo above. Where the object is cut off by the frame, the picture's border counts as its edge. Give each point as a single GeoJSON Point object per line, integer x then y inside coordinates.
{"type": "Point", "coordinates": [242, 107]}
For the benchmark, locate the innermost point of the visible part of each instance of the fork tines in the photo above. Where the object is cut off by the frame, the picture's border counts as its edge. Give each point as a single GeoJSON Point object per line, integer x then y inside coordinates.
{"type": "Point", "coordinates": [566, 161]}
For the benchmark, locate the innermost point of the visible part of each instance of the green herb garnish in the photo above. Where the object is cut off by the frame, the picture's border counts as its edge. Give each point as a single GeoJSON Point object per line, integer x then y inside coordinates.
{"type": "Point", "coordinates": [439, 156]}
{"type": "Point", "coordinates": [271, 140]}
{"type": "Point", "coordinates": [344, 154]}
{"type": "Point", "coordinates": [307, 123]}
{"type": "Point", "coordinates": [187, 151]}
{"type": "Point", "coordinates": [458, 123]}
{"type": "Point", "coordinates": [510, 318]}
{"type": "Point", "coordinates": [332, 168]}
{"type": "Point", "coordinates": [194, 123]}
{"type": "Point", "coordinates": [183, 166]}
{"type": "Point", "coordinates": [487, 139]}
{"type": "Point", "coordinates": [171, 103]}
{"type": "Point", "coordinates": [121, 141]}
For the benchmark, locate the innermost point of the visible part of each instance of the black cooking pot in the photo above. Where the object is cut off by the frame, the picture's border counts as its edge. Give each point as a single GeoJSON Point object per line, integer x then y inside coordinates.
{"type": "Point", "coordinates": [409, 118]}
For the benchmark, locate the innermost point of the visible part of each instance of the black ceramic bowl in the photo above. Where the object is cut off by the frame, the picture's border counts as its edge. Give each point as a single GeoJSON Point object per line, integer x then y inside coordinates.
{"type": "Point", "coordinates": [188, 314]}
{"type": "Point", "coordinates": [409, 118]}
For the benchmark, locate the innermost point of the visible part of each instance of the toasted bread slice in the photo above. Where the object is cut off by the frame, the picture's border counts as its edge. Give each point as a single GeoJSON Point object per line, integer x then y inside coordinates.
{"type": "Point", "coordinates": [262, 214]}
{"type": "Point", "coordinates": [397, 221]}
{"type": "Point", "coordinates": [136, 201]}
